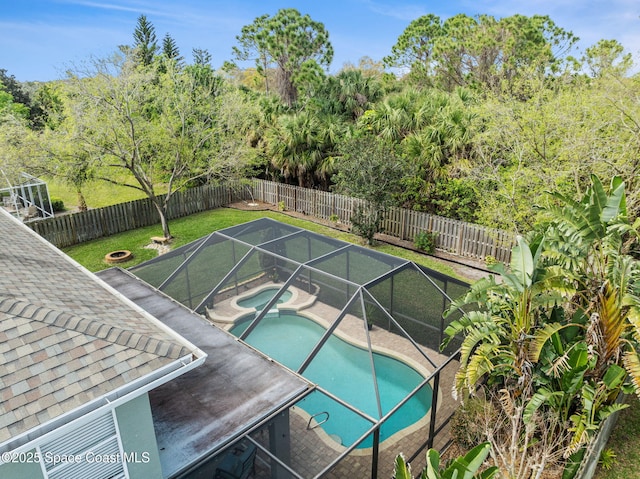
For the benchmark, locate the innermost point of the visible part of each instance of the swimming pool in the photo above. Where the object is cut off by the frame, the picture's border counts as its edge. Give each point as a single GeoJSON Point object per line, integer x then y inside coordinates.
{"type": "Point", "coordinates": [344, 370]}
{"type": "Point", "coordinates": [260, 299]}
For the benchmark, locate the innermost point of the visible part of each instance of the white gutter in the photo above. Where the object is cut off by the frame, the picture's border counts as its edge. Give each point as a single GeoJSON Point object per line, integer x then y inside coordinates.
{"type": "Point", "coordinates": [101, 405]}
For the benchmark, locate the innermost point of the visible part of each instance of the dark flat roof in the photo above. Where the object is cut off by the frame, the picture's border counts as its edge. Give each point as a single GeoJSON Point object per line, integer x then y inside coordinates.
{"type": "Point", "coordinates": [202, 411]}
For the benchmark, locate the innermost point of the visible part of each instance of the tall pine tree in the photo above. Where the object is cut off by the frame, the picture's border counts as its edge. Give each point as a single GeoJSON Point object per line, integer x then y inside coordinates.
{"type": "Point", "coordinates": [170, 49]}
{"type": "Point", "coordinates": [201, 56]}
{"type": "Point", "coordinates": [145, 44]}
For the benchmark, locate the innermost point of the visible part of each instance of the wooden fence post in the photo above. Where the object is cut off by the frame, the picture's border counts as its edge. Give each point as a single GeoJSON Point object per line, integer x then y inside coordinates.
{"type": "Point", "coordinates": [461, 233]}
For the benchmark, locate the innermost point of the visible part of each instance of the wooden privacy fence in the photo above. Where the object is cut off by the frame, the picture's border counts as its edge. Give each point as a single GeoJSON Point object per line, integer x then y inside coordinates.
{"type": "Point", "coordinates": [453, 236]}
{"type": "Point", "coordinates": [68, 230]}
{"type": "Point", "coordinates": [456, 237]}
{"type": "Point", "coordinates": [316, 203]}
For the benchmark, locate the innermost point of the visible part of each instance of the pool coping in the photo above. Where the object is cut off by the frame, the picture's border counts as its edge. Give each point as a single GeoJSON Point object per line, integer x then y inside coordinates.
{"type": "Point", "coordinates": [241, 312]}
{"type": "Point", "coordinates": [388, 443]}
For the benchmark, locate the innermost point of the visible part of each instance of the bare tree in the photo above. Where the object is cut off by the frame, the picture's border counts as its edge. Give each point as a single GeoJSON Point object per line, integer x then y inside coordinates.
{"type": "Point", "coordinates": [156, 126]}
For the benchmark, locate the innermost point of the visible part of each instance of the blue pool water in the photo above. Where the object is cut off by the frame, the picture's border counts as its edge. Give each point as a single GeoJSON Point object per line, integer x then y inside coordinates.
{"type": "Point", "coordinates": [344, 370]}
{"type": "Point", "coordinates": [260, 299]}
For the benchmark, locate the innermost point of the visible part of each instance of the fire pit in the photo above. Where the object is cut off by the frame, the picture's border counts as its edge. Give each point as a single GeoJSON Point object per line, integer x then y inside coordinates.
{"type": "Point", "coordinates": [119, 256]}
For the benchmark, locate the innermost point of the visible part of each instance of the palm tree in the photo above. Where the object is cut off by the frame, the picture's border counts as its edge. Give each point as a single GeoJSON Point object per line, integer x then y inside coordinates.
{"type": "Point", "coordinates": [353, 93]}
{"type": "Point", "coordinates": [302, 146]}
{"type": "Point", "coordinates": [433, 130]}
{"type": "Point", "coordinates": [394, 117]}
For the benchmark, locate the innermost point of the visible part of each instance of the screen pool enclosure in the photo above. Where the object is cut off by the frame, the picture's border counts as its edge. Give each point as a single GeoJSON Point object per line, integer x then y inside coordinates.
{"type": "Point", "coordinates": [26, 197]}
{"type": "Point", "coordinates": [363, 327]}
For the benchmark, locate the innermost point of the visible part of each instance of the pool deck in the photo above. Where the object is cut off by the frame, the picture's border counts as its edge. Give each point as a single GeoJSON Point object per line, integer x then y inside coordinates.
{"type": "Point", "coordinates": [311, 450]}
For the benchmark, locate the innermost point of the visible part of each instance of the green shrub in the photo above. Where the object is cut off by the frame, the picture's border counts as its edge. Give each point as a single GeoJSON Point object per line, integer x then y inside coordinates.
{"type": "Point", "coordinates": [334, 218]}
{"type": "Point", "coordinates": [57, 205]}
{"type": "Point", "coordinates": [490, 260]}
{"type": "Point", "coordinates": [461, 467]}
{"type": "Point", "coordinates": [426, 241]}
{"type": "Point", "coordinates": [281, 206]}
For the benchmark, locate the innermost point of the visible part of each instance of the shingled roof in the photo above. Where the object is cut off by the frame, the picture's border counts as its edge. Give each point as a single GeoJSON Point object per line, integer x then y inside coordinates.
{"type": "Point", "coordinates": [66, 338]}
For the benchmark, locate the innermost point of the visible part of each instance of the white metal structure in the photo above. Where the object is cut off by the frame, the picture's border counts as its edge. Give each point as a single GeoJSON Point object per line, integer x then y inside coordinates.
{"type": "Point", "coordinates": [27, 197]}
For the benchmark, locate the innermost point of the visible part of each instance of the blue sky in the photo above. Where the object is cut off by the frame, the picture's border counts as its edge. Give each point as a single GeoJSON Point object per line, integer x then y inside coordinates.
{"type": "Point", "coordinates": [40, 39]}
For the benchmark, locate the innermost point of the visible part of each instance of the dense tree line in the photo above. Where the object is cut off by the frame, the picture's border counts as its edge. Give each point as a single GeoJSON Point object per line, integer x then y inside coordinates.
{"type": "Point", "coordinates": [479, 117]}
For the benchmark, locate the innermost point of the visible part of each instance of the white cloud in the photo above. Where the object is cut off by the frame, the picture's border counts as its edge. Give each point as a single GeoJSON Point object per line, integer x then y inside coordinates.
{"type": "Point", "coordinates": [406, 12]}
{"type": "Point", "coordinates": [135, 7]}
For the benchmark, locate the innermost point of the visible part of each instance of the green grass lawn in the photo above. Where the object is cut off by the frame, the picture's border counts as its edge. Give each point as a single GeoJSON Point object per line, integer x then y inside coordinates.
{"type": "Point", "coordinates": [625, 443]}
{"type": "Point", "coordinates": [97, 194]}
{"type": "Point", "coordinates": [184, 230]}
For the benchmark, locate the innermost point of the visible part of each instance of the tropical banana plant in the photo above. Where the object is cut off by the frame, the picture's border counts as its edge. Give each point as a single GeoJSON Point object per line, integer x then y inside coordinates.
{"type": "Point", "coordinates": [578, 401]}
{"type": "Point", "coordinates": [562, 383]}
{"type": "Point", "coordinates": [591, 239]}
{"type": "Point", "coordinates": [596, 406]}
{"type": "Point", "coordinates": [561, 328]}
{"type": "Point", "coordinates": [500, 337]}
{"type": "Point", "coordinates": [463, 467]}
